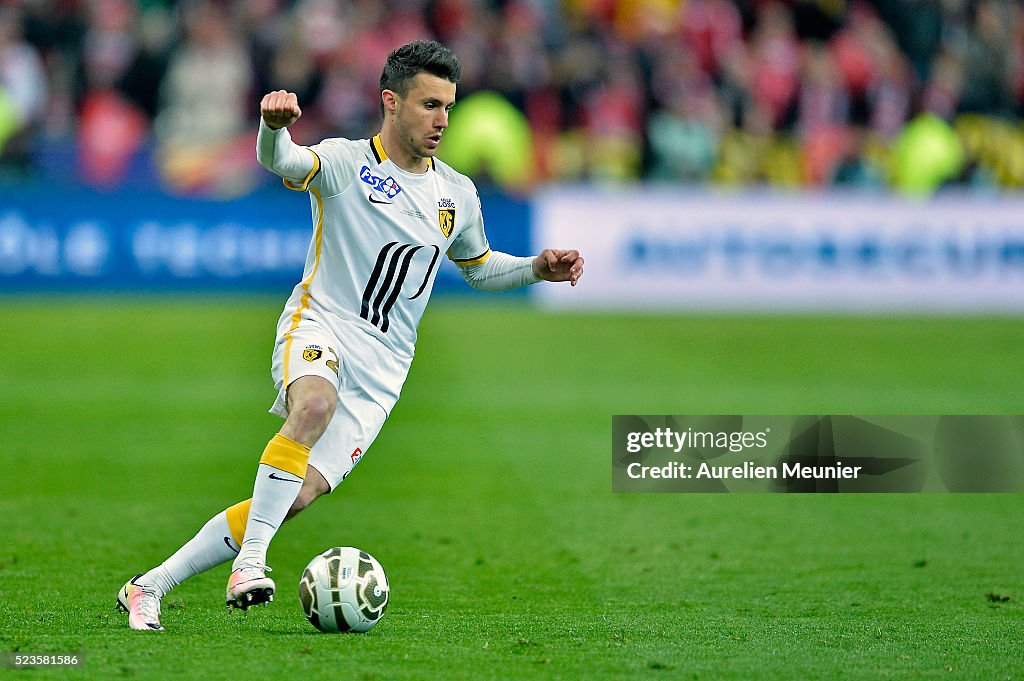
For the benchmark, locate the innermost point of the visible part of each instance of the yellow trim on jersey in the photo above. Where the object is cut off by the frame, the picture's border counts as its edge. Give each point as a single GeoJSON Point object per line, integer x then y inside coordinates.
{"type": "Point", "coordinates": [318, 238]}
{"type": "Point", "coordinates": [309, 176]}
{"type": "Point", "coordinates": [238, 516]}
{"type": "Point", "coordinates": [286, 455]}
{"type": "Point", "coordinates": [378, 148]}
{"type": "Point", "coordinates": [469, 262]}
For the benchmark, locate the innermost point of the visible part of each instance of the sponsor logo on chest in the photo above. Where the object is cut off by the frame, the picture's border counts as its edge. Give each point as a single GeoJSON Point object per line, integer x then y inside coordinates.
{"type": "Point", "coordinates": [387, 185]}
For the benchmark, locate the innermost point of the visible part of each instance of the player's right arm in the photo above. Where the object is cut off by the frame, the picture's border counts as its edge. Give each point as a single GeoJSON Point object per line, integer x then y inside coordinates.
{"type": "Point", "coordinates": [275, 149]}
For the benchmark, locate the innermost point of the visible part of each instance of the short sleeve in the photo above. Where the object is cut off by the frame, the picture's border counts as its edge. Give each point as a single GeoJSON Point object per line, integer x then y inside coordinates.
{"type": "Point", "coordinates": [470, 247]}
{"type": "Point", "coordinates": [332, 168]}
{"type": "Point", "coordinates": [304, 184]}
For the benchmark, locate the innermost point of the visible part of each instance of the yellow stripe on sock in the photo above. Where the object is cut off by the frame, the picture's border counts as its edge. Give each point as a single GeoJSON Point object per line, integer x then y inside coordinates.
{"type": "Point", "coordinates": [286, 455]}
{"type": "Point", "coordinates": [238, 515]}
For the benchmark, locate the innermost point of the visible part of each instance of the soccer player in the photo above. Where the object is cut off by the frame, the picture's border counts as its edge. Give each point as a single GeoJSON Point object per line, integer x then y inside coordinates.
{"type": "Point", "coordinates": [384, 211]}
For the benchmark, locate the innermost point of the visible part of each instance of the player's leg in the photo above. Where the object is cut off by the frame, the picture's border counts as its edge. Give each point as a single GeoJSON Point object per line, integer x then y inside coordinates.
{"type": "Point", "coordinates": [282, 470]}
{"type": "Point", "coordinates": [306, 372]}
{"type": "Point", "coordinates": [307, 404]}
{"type": "Point", "coordinates": [357, 422]}
{"type": "Point", "coordinates": [351, 431]}
{"type": "Point", "coordinates": [313, 487]}
{"type": "Point", "coordinates": [216, 543]}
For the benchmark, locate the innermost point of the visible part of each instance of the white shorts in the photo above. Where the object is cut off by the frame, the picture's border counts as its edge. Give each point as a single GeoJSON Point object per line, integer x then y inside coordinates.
{"type": "Point", "coordinates": [368, 380]}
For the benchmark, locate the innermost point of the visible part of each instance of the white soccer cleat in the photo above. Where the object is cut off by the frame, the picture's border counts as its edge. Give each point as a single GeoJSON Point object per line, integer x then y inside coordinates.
{"type": "Point", "coordinates": [142, 606]}
{"type": "Point", "coordinates": [249, 585]}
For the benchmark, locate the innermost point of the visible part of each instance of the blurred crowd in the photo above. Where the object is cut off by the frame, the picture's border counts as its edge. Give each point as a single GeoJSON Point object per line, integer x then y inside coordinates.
{"type": "Point", "coordinates": [873, 94]}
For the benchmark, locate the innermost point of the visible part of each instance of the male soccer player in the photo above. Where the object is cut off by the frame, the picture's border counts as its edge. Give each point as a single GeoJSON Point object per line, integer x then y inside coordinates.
{"type": "Point", "coordinates": [384, 211]}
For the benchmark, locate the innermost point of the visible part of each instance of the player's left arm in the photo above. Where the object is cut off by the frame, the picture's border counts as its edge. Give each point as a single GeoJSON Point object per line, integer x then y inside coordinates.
{"type": "Point", "coordinates": [500, 271]}
{"type": "Point", "coordinates": [489, 270]}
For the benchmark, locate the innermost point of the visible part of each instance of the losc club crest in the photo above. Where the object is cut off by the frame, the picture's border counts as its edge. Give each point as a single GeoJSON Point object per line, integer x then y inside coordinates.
{"type": "Point", "coordinates": [446, 216]}
{"type": "Point", "coordinates": [446, 221]}
{"type": "Point", "coordinates": [312, 353]}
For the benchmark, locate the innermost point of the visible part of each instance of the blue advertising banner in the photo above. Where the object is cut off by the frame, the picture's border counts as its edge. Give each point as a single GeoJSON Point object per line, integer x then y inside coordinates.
{"type": "Point", "coordinates": [69, 240]}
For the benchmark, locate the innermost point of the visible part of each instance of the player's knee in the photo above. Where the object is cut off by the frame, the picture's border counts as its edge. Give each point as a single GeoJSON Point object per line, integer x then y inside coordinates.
{"type": "Point", "coordinates": [314, 411]}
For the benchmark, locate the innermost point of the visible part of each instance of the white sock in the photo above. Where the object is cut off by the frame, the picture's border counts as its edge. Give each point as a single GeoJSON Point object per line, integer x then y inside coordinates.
{"type": "Point", "coordinates": [211, 546]}
{"type": "Point", "coordinates": [272, 495]}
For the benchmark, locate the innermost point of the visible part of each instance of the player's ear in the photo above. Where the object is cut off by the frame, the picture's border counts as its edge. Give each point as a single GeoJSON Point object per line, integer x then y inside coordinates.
{"type": "Point", "coordinates": [390, 100]}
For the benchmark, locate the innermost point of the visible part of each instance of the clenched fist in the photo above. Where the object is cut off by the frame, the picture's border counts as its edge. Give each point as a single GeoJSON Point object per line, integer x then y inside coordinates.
{"type": "Point", "coordinates": [280, 109]}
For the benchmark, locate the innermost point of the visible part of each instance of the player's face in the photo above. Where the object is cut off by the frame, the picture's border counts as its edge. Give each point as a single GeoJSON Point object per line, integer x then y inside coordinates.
{"type": "Point", "coordinates": [422, 115]}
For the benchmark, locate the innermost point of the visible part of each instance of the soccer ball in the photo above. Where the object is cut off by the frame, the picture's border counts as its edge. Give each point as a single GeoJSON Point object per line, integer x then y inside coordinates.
{"type": "Point", "coordinates": [343, 589]}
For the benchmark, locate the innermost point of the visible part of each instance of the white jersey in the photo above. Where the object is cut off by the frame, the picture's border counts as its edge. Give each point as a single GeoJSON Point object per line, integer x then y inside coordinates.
{"type": "Point", "coordinates": [379, 234]}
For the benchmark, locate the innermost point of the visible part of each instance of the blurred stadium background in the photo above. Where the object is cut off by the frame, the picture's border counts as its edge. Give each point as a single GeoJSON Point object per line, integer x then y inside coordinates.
{"type": "Point", "coordinates": [871, 94]}
{"type": "Point", "coordinates": [141, 117]}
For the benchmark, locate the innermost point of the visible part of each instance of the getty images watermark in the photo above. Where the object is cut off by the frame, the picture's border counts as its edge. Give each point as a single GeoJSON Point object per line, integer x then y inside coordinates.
{"type": "Point", "coordinates": [960, 453]}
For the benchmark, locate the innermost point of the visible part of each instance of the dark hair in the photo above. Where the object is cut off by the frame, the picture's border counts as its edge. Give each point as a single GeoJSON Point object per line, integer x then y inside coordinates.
{"type": "Point", "coordinates": [420, 56]}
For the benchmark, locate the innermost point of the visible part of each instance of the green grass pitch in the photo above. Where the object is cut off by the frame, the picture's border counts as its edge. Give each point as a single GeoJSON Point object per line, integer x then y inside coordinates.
{"type": "Point", "coordinates": [125, 424]}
